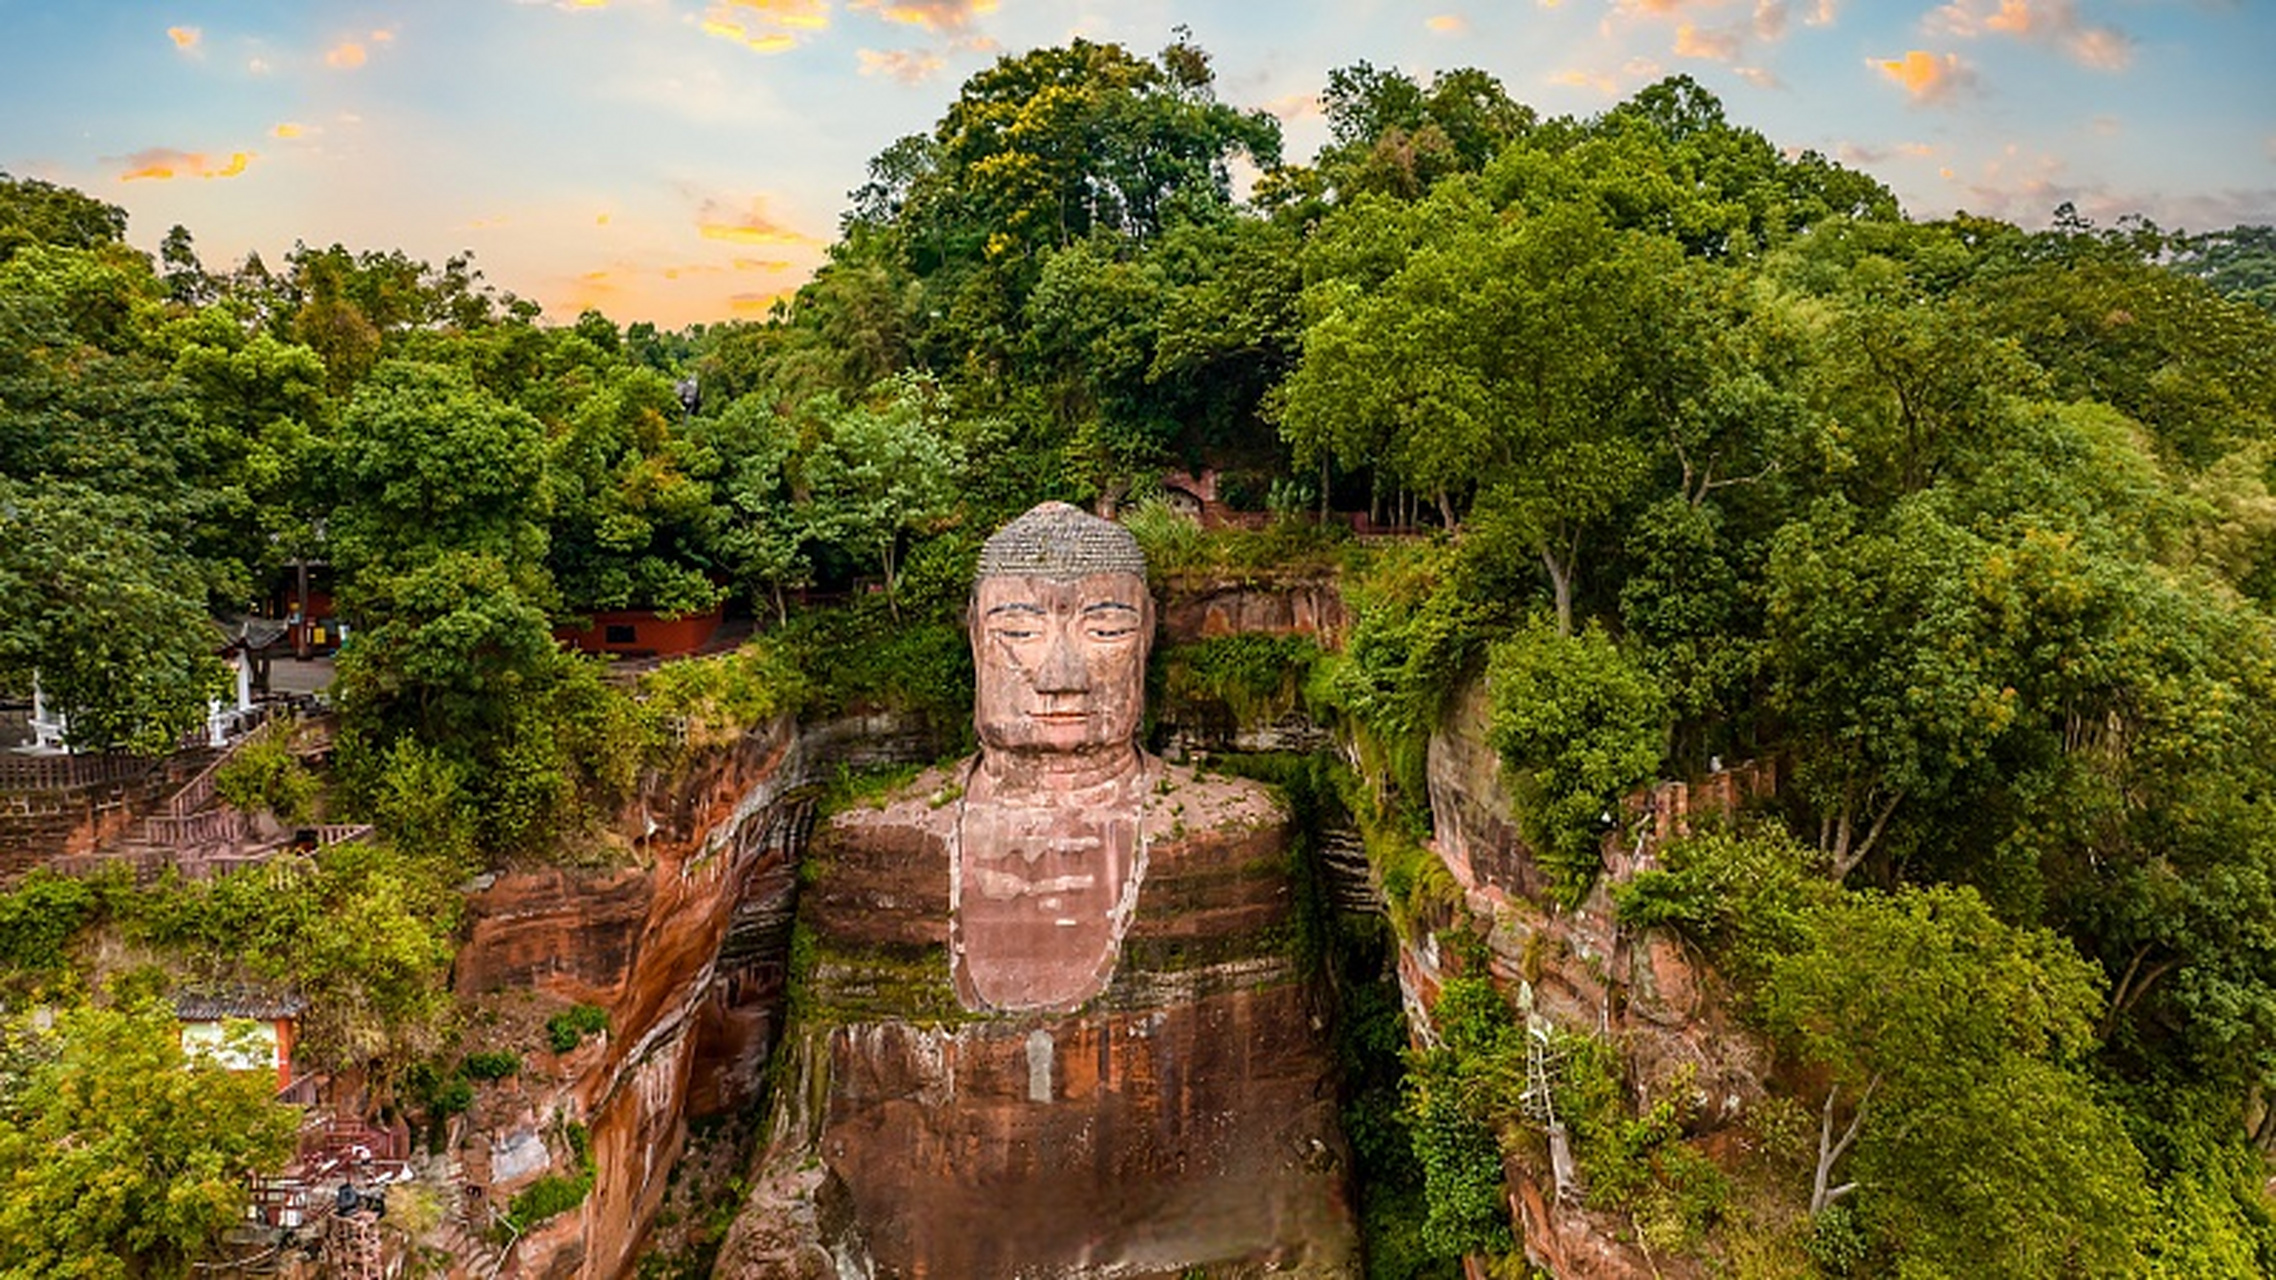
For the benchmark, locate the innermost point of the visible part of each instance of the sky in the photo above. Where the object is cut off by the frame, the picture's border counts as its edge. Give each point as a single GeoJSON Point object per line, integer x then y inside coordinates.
{"type": "Point", "coordinates": [688, 160]}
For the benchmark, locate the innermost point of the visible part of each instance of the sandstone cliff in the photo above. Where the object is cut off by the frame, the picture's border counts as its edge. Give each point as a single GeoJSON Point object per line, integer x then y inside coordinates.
{"type": "Point", "coordinates": [686, 951]}
{"type": "Point", "coordinates": [1647, 993]}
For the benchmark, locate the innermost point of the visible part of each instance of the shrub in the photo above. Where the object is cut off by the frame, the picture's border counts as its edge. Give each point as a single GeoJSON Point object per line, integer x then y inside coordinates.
{"type": "Point", "coordinates": [264, 774]}
{"type": "Point", "coordinates": [1579, 724]}
{"type": "Point", "coordinates": [719, 698]}
{"type": "Point", "coordinates": [555, 1194]}
{"type": "Point", "coordinates": [1257, 677]}
{"type": "Point", "coordinates": [567, 1029]}
{"type": "Point", "coordinates": [493, 1065]}
{"type": "Point", "coordinates": [38, 919]}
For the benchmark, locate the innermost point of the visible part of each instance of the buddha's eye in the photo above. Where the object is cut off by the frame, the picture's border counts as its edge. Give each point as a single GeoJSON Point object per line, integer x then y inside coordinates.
{"type": "Point", "coordinates": [1016, 633]}
{"type": "Point", "coordinates": [1111, 633]}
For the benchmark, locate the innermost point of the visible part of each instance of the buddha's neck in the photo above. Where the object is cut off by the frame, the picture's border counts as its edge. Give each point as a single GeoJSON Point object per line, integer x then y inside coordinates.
{"type": "Point", "coordinates": [1060, 771]}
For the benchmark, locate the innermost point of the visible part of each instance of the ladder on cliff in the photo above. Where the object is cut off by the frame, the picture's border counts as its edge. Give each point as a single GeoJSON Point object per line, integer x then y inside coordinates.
{"type": "Point", "coordinates": [1544, 1063]}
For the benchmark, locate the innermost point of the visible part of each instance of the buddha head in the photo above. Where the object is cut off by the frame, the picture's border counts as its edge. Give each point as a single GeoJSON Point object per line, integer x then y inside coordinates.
{"type": "Point", "coordinates": [1060, 623]}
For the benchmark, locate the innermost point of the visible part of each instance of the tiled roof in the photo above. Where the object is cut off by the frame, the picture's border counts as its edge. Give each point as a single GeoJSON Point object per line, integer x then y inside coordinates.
{"type": "Point", "coordinates": [211, 1004]}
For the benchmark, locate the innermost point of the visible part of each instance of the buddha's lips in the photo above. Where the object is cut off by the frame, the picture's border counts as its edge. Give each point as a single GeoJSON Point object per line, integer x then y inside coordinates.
{"type": "Point", "coordinates": [1062, 717]}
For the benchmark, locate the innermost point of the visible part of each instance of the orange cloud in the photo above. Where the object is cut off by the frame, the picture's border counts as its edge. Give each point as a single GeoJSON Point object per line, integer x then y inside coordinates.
{"type": "Point", "coordinates": [1448, 24]}
{"type": "Point", "coordinates": [906, 66]}
{"type": "Point", "coordinates": [759, 304]}
{"type": "Point", "coordinates": [1759, 77]}
{"type": "Point", "coordinates": [160, 164]}
{"type": "Point", "coordinates": [1715, 46]}
{"type": "Point", "coordinates": [185, 38]}
{"type": "Point", "coordinates": [767, 26]}
{"type": "Point", "coordinates": [749, 226]}
{"type": "Point", "coordinates": [2055, 23]}
{"type": "Point", "coordinates": [1295, 106]}
{"type": "Point", "coordinates": [1579, 79]}
{"type": "Point", "coordinates": [1926, 76]}
{"type": "Point", "coordinates": [345, 54]}
{"type": "Point", "coordinates": [288, 130]}
{"type": "Point", "coordinates": [761, 264]}
{"type": "Point", "coordinates": [951, 16]}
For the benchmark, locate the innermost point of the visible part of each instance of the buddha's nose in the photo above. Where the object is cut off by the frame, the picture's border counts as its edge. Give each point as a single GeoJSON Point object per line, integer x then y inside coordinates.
{"type": "Point", "coordinates": [1063, 669]}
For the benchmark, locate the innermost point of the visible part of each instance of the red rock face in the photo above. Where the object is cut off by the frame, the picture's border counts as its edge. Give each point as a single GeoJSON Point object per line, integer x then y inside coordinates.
{"type": "Point", "coordinates": [1185, 1117]}
{"type": "Point", "coordinates": [690, 1020]}
{"type": "Point", "coordinates": [1129, 1142]}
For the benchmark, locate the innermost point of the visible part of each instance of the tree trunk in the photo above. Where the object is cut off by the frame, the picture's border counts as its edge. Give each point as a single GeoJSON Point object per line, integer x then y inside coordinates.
{"type": "Point", "coordinates": [1830, 1150]}
{"type": "Point", "coordinates": [1561, 583]}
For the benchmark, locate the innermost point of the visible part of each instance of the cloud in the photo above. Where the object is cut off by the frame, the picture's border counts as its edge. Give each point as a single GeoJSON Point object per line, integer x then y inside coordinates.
{"type": "Point", "coordinates": [1821, 14]}
{"type": "Point", "coordinates": [1448, 24]}
{"type": "Point", "coordinates": [161, 164]}
{"type": "Point", "coordinates": [759, 304]}
{"type": "Point", "coordinates": [1579, 79]}
{"type": "Point", "coordinates": [762, 264]}
{"type": "Point", "coordinates": [288, 130]}
{"type": "Point", "coordinates": [905, 65]}
{"type": "Point", "coordinates": [2051, 23]}
{"type": "Point", "coordinates": [345, 55]}
{"type": "Point", "coordinates": [1770, 19]}
{"type": "Point", "coordinates": [948, 17]}
{"type": "Point", "coordinates": [185, 38]}
{"type": "Point", "coordinates": [1927, 76]}
{"type": "Point", "coordinates": [751, 225]}
{"type": "Point", "coordinates": [1715, 46]}
{"type": "Point", "coordinates": [1296, 106]}
{"type": "Point", "coordinates": [767, 26]}
{"type": "Point", "coordinates": [1633, 71]}
{"type": "Point", "coordinates": [1759, 77]}
{"type": "Point", "coordinates": [1864, 153]}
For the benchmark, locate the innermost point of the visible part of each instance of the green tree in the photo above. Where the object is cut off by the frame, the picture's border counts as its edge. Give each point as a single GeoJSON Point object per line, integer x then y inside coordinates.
{"type": "Point", "coordinates": [427, 461]}
{"type": "Point", "coordinates": [882, 473]}
{"type": "Point", "coordinates": [1882, 663]}
{"type": "Point", "coordinates": [1579, 724]}
{"type": "Point", "coordinates": [1972, 1140]}
{"type": "Point", "coordinates": [119, 1157]}
{"type": "Point", "coordinates": [108, 614]}
{"type": "Point", "coordinates": [37, 212]}
{"type": "Point", "coordinates": [1496, 364]}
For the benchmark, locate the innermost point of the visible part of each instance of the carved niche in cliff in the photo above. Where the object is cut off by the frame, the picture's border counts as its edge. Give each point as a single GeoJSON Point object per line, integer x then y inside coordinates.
{"type": "Point", "coordinates": [1058, 1024]}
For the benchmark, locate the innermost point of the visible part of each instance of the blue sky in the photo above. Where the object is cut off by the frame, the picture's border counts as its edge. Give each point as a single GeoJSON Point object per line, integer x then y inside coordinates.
{"type": "Point", "coordinates": [681, 160]}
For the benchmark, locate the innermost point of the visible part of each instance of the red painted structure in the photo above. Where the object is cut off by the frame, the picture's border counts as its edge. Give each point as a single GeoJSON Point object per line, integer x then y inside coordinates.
{"type": "Point", "coordinates": [643, 633]}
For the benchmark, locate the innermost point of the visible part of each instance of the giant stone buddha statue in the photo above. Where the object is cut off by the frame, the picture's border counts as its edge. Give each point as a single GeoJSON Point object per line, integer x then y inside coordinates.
{"type": "Point", "coordinates": [1058, 1026]}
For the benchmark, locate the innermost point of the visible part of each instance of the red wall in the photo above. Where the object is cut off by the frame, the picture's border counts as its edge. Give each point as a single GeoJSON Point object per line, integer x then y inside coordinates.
{"type": "Point", "coordinates": [651, 635]}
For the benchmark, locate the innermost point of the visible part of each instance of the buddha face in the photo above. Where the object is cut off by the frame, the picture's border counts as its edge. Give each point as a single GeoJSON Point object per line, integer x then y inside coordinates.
{"type": "Point", "coordinates": [1061, 664]}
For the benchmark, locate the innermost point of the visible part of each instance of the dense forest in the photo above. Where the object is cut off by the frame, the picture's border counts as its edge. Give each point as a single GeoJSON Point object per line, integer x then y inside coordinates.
{"type": "Point", "coordinates": [1696, 449]}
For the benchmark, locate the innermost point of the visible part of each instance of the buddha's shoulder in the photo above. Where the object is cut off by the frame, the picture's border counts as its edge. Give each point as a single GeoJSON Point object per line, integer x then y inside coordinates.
{"type": "Point", "coordinates": [1181, 798]}
{"type": "Point", "coordinates": [922, 809]}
